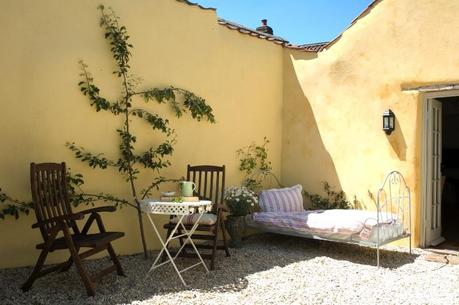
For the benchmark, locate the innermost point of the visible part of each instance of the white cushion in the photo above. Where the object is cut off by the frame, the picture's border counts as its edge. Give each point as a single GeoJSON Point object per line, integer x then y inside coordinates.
{"type": "Point", "coordinates": [289, 199]}
{"type": "Point", "coordinates": [206, 219]}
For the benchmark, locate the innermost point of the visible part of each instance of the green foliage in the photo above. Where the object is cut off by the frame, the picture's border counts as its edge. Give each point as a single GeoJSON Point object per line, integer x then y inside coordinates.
{"type": "Point", "coordinates": [130, 161]}
{"type": "Point", "coordinates": [178, 200]}
{"type": "Point", "coordinates": [238, 208]}
{"type": "Point", "coordinates": [333, 199]}
{"type": "Point", "coordinates": [254, 163]}
{"type": "Point", "coordinates": [180, 100]}
{"type": "Point", "coordinates": [93, 160]}
{"type": "Point", "coordinates": [13, 206]}
{"type": "Point", "coordinates": [77, 197]}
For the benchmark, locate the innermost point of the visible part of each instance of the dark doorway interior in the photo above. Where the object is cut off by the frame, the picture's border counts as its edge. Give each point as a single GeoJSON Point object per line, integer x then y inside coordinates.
{"type": "Point", "coordinates": [450, 173]}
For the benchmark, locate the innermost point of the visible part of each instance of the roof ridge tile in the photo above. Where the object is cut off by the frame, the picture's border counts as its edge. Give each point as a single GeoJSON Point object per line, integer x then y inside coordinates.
{"type": "Point", "coordinates": [196, 4]}
{"type": "Point", "coordinates": [254, 33]}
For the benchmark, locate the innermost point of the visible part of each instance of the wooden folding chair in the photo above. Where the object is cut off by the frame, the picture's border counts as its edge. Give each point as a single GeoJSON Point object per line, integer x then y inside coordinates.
{"type": "Point", "coordinates": [54, 216]}
{"type": "Point", "coordinates": [210, 185]}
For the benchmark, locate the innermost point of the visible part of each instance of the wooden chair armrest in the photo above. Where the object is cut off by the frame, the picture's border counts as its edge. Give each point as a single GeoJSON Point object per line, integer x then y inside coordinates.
{"type": "Point", "coordinates": [221, 207]}
{"type": "Point", "coordinates": [76, 216]}
{"type": "Point", "coordinates": [99, 209]}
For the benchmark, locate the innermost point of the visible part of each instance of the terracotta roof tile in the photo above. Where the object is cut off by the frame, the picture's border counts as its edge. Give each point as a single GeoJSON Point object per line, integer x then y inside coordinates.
{"type": "Point", "coordinates": [244, 30]}
{"type": "Point", "coordinates": [311, 47]}
{"type": "Point", "coordinates": [195, 4]}
{"type": "Point", "coordinates": [315, 47]}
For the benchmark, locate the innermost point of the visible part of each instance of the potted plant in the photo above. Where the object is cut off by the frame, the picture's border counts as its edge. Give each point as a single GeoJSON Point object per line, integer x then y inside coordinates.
{"type": "Point", "coordinates": [239, 200]}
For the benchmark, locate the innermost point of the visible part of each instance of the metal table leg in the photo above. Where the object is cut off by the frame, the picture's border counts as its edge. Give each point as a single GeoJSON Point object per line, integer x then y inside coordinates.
{"type": "Point", "coordinates": [171, 259]}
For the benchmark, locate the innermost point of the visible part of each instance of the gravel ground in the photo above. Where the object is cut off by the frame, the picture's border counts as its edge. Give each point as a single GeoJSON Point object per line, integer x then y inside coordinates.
{"type": "Point", "coordinates": [269, 269]}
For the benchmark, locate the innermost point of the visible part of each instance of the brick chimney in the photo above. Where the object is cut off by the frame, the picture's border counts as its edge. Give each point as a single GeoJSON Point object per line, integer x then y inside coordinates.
{"type": "Point", "coordinates": [264, 28]}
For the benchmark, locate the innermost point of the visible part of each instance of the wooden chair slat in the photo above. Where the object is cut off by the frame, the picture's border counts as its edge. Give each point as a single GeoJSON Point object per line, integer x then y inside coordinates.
{"type": "Point", "coordinates": [217, 189]}
{"type": "Point", "coordinates": [207, 189]}
{"type": "Point", "coordinates": [63, 207]}
{"type": "Point", "coordinates": [198, 187]}
{"type": "Point", "coordinates": [223, 186]}
{"type": "Point", "coordinates": [46, 200]}
{"type": "Point", "coordinates": [54, 215]}
{"type": "Point", "coordinates": [53, 192]}
{"type": "Point", "coordinates": [204, 194]}
{"type": "Point", "coordinates": [211, 197]}
{"type": "Point", "coordinates": [57, 195]}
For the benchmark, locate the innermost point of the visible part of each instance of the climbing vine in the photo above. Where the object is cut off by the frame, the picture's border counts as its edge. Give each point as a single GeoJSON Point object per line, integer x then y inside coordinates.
{"type": "Point", "coordinates": [130, 161]}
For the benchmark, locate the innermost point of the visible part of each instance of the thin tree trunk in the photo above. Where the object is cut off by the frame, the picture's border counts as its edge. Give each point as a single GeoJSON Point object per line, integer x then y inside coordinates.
{"type": "Point", "coordinates": [131, 178]}
{"type": "Point", "coordinates": [134, 194]}
{"type": "Point", "coordinates": [142, 232]}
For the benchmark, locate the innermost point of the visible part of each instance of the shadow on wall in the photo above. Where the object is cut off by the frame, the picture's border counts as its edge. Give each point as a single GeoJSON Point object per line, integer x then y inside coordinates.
{"type": "Point", "coordinates": [305, 159]}
{"type": "Point", "coordinates": [397, 141]}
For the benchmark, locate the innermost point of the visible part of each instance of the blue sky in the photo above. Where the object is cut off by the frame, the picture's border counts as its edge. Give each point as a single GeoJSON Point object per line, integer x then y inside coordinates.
{"type": "Point", "coordinates": [298, 21]}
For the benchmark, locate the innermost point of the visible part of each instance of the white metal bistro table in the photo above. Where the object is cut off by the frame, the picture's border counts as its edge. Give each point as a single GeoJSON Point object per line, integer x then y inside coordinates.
{"type": "Point", "coordinates": [180, 210]}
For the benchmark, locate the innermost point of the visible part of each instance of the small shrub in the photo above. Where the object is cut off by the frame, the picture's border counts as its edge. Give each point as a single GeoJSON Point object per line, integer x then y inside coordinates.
{"type": "Point", "coordinates": [254, 163]}
{"type": "Point", "coordinates": [333, 199]}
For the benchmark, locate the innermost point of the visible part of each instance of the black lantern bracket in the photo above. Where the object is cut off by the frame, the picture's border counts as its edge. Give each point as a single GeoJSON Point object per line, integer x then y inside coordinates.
{"type": "Point", "coordinates": [388, 121]}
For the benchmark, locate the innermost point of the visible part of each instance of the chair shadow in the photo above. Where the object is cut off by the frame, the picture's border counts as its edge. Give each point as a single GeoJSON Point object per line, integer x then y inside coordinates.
{"type": "Point", "coordinates": [260, 252]}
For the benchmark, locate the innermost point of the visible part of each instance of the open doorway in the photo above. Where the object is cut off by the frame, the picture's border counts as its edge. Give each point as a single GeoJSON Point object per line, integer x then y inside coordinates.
{"type": "Point", "coordinates": [441, 171]}
{"type": "Point", "coordinates": [450, 173]}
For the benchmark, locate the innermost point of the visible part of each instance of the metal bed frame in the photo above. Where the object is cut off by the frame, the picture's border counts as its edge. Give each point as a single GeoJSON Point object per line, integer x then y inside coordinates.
{"type": "Point", "coordinates": [393, 198]}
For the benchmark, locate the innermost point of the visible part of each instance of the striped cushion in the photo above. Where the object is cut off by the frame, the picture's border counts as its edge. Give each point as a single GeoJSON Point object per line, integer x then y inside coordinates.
{"type": "Point", "coordinates": [206, 219]}
{"type": "Point", "coordinates": [287, 199]}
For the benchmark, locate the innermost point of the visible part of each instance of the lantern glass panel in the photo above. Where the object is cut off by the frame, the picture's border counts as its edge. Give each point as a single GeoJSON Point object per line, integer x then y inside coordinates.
{"type": "Point", "coordinates": [385, 122]}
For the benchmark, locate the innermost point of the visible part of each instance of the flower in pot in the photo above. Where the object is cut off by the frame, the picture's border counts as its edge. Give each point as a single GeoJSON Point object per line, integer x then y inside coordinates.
{"type": "Point", "coordinates": [239, 200]}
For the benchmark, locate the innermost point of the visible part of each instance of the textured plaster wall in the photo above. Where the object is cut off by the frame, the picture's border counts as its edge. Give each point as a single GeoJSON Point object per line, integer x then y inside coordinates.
{"type": "Point", "coordinates": [322, 112]}
{"type": "Point", "coordinates": [42, 108]}
{"type": "Point", "coordinates": [333, 103]}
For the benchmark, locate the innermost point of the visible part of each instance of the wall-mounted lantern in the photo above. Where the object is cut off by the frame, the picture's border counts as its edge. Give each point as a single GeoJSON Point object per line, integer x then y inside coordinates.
{"type": "Point", "coordinates": [388, 121]}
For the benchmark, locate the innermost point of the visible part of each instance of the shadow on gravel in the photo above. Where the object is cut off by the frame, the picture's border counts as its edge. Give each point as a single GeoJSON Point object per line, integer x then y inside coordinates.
{"type": "Point", "coordinates": [260, 253]}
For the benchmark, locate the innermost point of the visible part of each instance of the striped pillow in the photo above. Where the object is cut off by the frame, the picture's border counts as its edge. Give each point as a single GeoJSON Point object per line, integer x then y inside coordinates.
{"type": "Point", "coordinates": [287, 199]}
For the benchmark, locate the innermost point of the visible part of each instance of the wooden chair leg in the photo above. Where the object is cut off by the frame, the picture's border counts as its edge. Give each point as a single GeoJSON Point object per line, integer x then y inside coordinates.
{"type": "Point", "coordinates": [67, 265]}
{"type": "Point", "coordinates": [115, 260]}
{"type": "Point", "coordinates": [214, 249]}
{"type": "Point", "coordinates": [225, 243]}
{"type": "Point", "coordinates": [36, 270]}
{"type": "Point", "coordinates": [69, 262]}
{"type": "Point", "coordinates": [78, 264]}
{"type": "Point", "coordinates": [40, 262]}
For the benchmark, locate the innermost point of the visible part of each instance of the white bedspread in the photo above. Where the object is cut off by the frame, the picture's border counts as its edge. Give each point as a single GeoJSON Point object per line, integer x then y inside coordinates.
{"type": "Point", "coordinates": [338, 224]}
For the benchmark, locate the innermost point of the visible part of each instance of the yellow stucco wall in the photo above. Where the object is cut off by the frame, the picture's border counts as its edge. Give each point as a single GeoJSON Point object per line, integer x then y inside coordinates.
{"type": "Point", "coordinates": [333, 103]}
{"type": "Point", "coordinates": [42, 108]}
{"type": "Point", "coordinates": [322, 112]}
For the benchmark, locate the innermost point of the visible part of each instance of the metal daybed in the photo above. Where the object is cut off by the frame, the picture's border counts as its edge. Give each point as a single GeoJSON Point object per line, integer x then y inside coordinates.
{"type": "Point", "coordinates": [390, 222]}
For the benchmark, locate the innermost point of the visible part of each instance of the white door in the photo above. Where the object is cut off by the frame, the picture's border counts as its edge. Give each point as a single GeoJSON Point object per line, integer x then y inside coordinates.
{"type": "Point", "coordinates": [434, 187]}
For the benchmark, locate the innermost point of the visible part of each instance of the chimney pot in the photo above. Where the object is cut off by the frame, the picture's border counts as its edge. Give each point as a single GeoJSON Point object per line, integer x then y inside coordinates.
{"type": "Point", "coordinates": [264, 28]}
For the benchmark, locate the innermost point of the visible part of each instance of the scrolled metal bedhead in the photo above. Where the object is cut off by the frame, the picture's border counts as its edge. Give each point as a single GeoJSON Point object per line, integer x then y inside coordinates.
{"type": "Point", "coordinates": [394, 199]}
{"type": "Point", "coordinates": [394, 204]}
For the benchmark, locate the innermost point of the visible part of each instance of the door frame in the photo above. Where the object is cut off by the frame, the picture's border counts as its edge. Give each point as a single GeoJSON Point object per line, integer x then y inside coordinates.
{"type": "Point", "coordinates": [425, 161]}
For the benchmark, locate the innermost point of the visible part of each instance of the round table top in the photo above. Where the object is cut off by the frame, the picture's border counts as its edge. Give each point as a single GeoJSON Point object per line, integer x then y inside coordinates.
{"type": "Point", "coordinates": [155, 206]}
